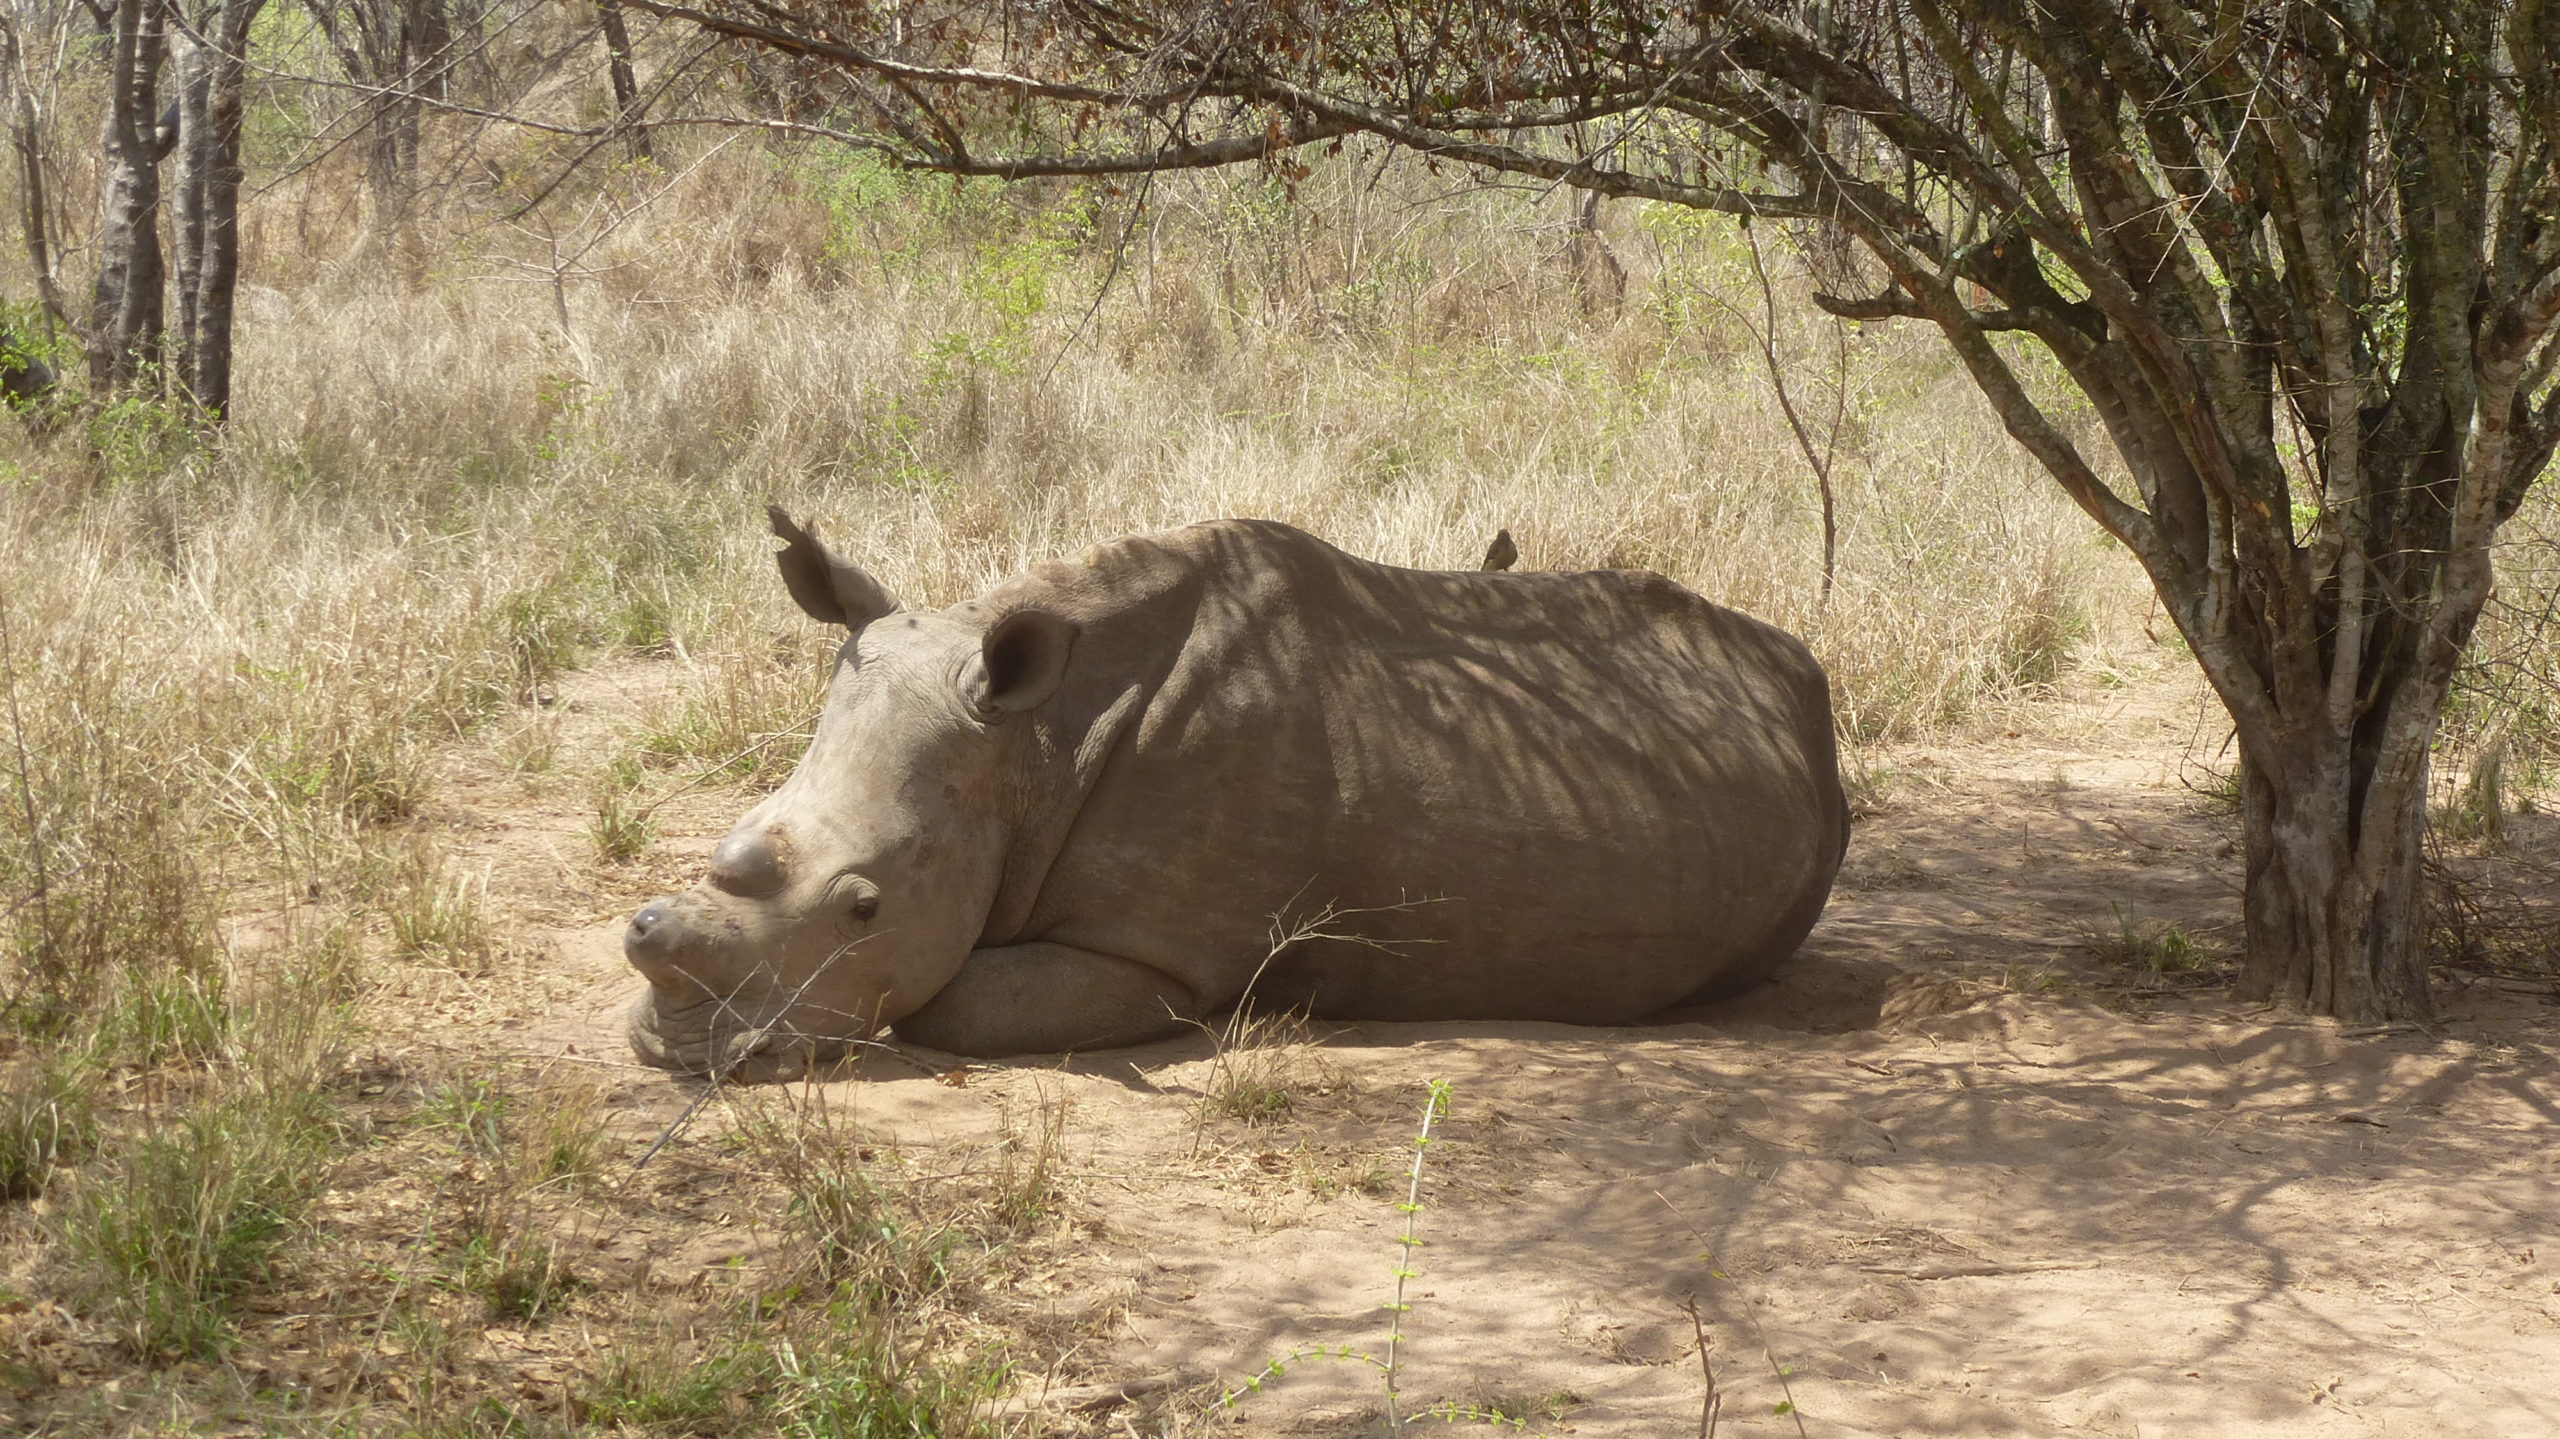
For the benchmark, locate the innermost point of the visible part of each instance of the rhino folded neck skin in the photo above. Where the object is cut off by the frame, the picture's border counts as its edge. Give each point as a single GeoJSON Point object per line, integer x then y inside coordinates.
{"type": "Point", "coordinates": [852, 894]}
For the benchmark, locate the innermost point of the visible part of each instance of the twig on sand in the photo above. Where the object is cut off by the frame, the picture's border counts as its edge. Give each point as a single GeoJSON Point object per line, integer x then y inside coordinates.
{"type": "Point", "coordinates": [1087, 1398]}
{"type": "Point", "coordinates": [1976, 1270]}
{"type": "Point", "coordinates": [1711, 1405]}
{"type": "Point", "coordinates": [668, 1134]}
{"type": "Point", "coordinates": [1707, 1256]}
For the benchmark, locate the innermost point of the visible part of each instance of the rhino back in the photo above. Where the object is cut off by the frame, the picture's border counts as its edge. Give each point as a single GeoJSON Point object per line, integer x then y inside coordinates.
{"type": "Point", "coordinates": [1562, 796]}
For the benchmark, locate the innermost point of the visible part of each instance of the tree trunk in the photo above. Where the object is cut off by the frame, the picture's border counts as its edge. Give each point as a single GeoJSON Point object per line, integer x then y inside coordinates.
{"type": "Point", "coordinates": [219, 275]}
{"type": "Point", "coordinates": [193, 72]}
{"type": "Point", "coordinates": [125, 317]}
{"type": "Point", "coordinates": [2332, 899]}
{"type": "Point", "coordinates": [392, 155]}
{"type": "Point", "coordinates": [428, 35]}
{"type": "Point", "coordinates": [626, 83]}
{"type": "Point", "coordinates": [35, 216]}
{"type": "Point", "coordinates": [398, 48]}
{"type": "Point", "coordinates": [208, 207]}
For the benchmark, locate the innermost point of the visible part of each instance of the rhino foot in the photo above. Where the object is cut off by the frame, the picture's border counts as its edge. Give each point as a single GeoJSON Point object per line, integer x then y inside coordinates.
{"type": "Point", "coordinates": [1044, 998]}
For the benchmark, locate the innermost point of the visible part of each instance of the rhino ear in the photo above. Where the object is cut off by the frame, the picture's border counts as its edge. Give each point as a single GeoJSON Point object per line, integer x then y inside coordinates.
{"type": "Point", "coordinates": [832, 589]}
{"type": "Point", "coordinates": [1020, 662]}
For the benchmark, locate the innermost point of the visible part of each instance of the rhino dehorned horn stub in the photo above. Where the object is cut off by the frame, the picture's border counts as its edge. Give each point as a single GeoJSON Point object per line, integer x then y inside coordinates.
{"type": "Point", "coordinates": [751, 865]}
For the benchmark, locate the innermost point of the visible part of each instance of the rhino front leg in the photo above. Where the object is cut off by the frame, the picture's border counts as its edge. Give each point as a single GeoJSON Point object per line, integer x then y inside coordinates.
{"type": "Point", "coordinates": [1047, 999]}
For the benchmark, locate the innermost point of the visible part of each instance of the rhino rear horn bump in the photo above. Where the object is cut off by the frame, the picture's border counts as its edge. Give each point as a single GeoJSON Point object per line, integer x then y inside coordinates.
{"type": "Point", "coordinates": [832, 589]}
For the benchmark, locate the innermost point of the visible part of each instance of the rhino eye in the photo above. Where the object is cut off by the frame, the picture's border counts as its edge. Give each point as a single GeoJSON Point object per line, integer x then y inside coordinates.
{"type": "Point", "coordinates": [853, 897]}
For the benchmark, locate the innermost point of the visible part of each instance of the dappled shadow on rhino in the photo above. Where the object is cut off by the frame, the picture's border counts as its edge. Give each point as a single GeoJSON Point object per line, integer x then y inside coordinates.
{"type": "Point", "coordinates": [1111, 796]}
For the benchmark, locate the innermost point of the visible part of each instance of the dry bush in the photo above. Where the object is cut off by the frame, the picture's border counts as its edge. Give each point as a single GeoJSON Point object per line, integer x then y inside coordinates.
{"type": "Point", "coordinates": [745, 709]}
{"type": "Point", "coordinates": [2496, 919]}
{"type": "Point", "coordinates": [1265, 1061]}
{"type": "Point", "coordinates": [841, 1370]}
{"type": "Point", "coordinates": [850, 1218]}
{"type": "Point", "coordinates": [2505, 713]}
{"type": "Point", "coordinates": [195, 1194]}
{"type": "Point", "coordinates": [435, 915]}
{"type": "Point", "coordinates": [622, 825]}
{"type": "Point", "coordinates": [46, 1117]}
{"type": "Point", "coordinates": [522, 1150]}
{"type": "Point", "coordinates": [193, 1211]}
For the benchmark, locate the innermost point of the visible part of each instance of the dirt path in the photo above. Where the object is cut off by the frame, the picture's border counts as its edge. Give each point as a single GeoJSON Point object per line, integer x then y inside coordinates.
{"type": "Point", "coordinates": [1963, 1172]}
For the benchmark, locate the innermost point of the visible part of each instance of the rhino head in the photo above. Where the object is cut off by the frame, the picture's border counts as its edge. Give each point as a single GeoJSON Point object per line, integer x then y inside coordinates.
{"type": "Point", "coordinates": [854, 892]}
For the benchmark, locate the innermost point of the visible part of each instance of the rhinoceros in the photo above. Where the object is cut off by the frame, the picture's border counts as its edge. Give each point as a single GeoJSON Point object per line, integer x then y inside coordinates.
{"type": "Point", "coordinates": [1096, 803]}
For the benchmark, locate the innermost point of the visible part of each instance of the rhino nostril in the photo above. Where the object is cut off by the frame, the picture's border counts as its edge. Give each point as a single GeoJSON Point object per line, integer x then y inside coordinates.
{"type": "Point", "coordinates": [647, 919]}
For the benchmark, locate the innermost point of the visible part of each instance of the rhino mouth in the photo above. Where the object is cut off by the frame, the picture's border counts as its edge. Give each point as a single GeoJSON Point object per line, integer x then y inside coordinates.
{"type": "Point", "coordinates": [719, 1038]}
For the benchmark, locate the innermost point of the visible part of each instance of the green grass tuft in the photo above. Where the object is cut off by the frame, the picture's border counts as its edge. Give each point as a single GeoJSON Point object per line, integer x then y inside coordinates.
{"type": "Point", "coordinates": [182, 1220]}
{"type": "Point", "coordinates": [2156, 949]}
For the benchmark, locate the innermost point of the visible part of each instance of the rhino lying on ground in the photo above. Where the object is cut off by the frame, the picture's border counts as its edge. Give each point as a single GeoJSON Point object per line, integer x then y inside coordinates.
{"type": "Point", "coordinates": [1074, 812]}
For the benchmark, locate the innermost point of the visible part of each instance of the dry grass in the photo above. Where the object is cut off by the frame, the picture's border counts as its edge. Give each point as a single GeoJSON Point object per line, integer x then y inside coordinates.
{"type": "Point", "coordinates": [929, 371]}
{"type": "Point", "coordinates": [1264, 1062]}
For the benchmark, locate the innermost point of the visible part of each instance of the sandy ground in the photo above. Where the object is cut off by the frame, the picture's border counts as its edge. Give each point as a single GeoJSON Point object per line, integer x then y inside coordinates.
{"type": "Point", "coordinates": [1955, 1174]}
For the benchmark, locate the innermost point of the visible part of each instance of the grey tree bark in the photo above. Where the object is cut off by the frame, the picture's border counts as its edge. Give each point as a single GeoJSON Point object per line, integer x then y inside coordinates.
{"type": "Point", "coordinates": [35, 190]}
{"type": "Point", "coordinates": [126, 309]}
{"type": "Point", "coordinates": [134, 341]}
{"type": "Point", "coordinates": [626, 81]}
{"type": "Point", "coordinates": [213, 66]}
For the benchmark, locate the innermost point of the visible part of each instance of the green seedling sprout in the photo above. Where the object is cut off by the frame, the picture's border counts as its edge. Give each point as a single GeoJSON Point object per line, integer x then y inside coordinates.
{"type": "Point", "coordinates": [1409, 1245]}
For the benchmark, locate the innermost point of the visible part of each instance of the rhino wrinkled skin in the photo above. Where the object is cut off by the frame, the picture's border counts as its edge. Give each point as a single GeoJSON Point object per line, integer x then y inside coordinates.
{"type": "Point", "coordinates": [1074, 812]}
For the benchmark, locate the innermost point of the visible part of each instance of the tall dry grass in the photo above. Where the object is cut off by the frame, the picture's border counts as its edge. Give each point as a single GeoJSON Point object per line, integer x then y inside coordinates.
{"type": "Point", "coordinates": [959, 380]}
